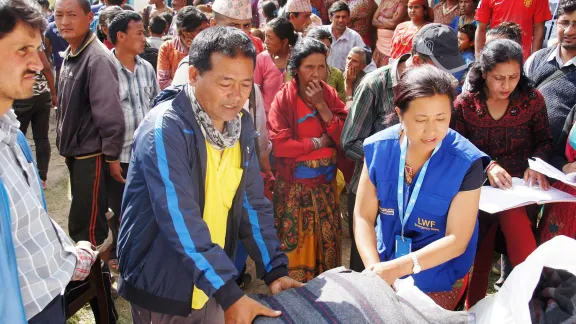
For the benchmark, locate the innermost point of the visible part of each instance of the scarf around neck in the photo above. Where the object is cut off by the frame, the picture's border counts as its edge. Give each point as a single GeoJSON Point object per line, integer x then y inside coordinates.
{"type": "Point", "coordinates": [218, 140]}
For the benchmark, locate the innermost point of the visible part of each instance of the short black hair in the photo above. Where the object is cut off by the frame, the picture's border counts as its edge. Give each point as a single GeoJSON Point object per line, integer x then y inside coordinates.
{"type": "Point", "coordinates": [157, 25]}
{"type": "Point", "coordinates": [496, 52]}
{"type": "Point", "coordinates": [304, 48]}
{"type": "Point", "coordinates": [168, 17]}
{"type": "Point", "coordinates": [13, 12]}
{"type": "Point", "coordinates": [189, 18]}
{"type": "Point", "coordinates": [338, 6]}
{"type": "Point", "coordinates": [469, 30]}
{"type": "Point", "coordinates": [270, 10]}
{"type": "Point", "coordinates": [227, 41]}
{"type": "Point", "coordinates": [108, 14]}
{"type": "Point", "coordinates": [120, 24]}
{"type": "Point", "coordinates": [45, 4]}
{"type": "Point", "coordinates": [115, 2]}
{"type": "Point", "coordinates": [568, 6]}
{"type": "Point", "coordinates": [127, 7]}
{"type": "Point", "coordinates": [85, 5]}
{"type": "Point", "coordinates": [287, 14]}
{"type": "Point", "coordinates": [320, 34]}
{"type": "Point", "coordinates": [507, 29]}
{"type": "Point", "coordinates": [284, 29]}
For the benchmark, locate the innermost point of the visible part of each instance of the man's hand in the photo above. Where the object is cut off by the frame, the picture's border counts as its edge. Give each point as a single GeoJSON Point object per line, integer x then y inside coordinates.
{"type": "Point", "coordinates": [86, 257]}
{"type": "Point", "coordinates": [245, 309]}
{"type": "Point", "coordinates": [350, 74]}
{"type": "Point", "coordinates": [54, 100]}
{"type": "Point", "coordinates": [116, 171]}
{"type": "Point", "coordinates": [284, 283]}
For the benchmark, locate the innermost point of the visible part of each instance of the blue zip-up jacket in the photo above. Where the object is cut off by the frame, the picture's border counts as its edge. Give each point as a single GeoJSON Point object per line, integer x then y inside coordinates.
{"type": "Point", "coordinates": [164, 244]}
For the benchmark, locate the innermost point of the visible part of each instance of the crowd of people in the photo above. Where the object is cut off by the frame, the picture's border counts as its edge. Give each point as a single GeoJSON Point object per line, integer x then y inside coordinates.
{"type": "Point", "coordinates": [198, 134]}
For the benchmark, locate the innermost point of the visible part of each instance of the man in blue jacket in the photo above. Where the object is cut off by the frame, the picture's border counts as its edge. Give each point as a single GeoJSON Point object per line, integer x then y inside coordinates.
{"type": "Point", "coordinates": [194, 191]}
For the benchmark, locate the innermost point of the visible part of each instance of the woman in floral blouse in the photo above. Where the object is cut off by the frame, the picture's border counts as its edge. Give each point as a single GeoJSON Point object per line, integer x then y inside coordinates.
{"type": "Point", "coordinates": [420, 15]}
{"type": "Point", "coordinates": [506, 118]}
{"type": "Point", "coordinates": [361, 13]}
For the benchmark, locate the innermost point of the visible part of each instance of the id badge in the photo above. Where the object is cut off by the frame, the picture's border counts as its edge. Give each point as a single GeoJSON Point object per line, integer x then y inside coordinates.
{"type": "Point", "coordinates": [403, 247]}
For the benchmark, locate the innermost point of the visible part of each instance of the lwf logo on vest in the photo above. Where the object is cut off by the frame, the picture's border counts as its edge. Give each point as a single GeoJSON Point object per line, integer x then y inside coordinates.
{"type": "Point", "coordinates": [427, 225]}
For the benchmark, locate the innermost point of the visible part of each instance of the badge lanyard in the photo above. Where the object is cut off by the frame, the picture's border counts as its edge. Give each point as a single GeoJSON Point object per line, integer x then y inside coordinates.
{"type": "Point", "coordinates": [416, 192]}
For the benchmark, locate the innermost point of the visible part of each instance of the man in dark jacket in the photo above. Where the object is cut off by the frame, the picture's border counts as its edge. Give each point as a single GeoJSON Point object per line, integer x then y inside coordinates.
{"type": "Point", "coordinates": [90, 121]}
{"type": "Point", "coordinates": [194, 191]}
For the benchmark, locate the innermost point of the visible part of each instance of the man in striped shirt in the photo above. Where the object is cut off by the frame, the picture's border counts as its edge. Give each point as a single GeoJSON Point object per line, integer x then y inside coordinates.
{"type": "Point", "coordinates": [38, 259]}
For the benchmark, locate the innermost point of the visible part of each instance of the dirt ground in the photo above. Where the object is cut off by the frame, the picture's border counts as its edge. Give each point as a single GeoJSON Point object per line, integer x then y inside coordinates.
{"type": "Point", "coordinates": [58, 200]}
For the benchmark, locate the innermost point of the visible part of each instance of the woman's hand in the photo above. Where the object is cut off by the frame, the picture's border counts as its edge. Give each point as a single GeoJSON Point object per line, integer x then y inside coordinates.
{"type": "Point", "coordinates": [315, 94]}
{"type": "Point", "coordinates": [326, 140]}
{"type": "Point", "coordinates": [499, 178]}
{"type": "Point", "coordinates": [386, 270]}
{"type": "Point", "coordinates": [531, 176]}
{"type": "Point", "coordinates": [569, 168]}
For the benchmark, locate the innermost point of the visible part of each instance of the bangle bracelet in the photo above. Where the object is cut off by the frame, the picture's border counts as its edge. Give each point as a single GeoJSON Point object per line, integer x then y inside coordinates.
{"type": "Point", "coordinates": [491, 165]}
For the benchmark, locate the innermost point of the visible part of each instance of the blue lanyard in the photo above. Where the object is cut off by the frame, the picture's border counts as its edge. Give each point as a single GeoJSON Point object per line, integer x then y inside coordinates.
{"type": "Point", "coordinates": [401, 188]}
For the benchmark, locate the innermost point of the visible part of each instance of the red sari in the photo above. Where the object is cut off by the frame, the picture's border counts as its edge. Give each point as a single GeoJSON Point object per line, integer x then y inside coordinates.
{"type": "Point", "coordinates": [560, 218]}
{"type": "Point", "coordinates": [307, 215]}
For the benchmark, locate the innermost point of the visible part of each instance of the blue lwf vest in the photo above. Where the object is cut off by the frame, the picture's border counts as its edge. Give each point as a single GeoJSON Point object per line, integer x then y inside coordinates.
{"type": "Point", "coordinates": [427, 223]}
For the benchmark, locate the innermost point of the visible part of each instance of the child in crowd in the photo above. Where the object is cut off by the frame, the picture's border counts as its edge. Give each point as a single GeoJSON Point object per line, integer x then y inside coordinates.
{"type": "Point", "coordinates": [258, 33]}
{"type": "Point", "coordinates": [467, 12]}
{"type": "Point", "coordinates": [156, 30]}
{"type": "Point", "coordinates": [466, 36]}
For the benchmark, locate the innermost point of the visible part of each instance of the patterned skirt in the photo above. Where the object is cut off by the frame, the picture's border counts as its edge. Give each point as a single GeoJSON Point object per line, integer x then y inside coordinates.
{"type": "Point", "coordinates": [450, 299]}
{"type": "Point", "coordinates": [558, 218]}
{"type": "Point", "coordinates": [307, 219]}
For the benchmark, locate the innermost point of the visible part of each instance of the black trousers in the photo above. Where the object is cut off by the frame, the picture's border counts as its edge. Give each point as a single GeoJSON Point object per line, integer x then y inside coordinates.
{"type": "Point", "coordinates": [356, 263]}
{"type": "Point", "coordinates": [88, 182]}
{"type": "Point", "coordinates": [55, 311]}
{"type": "Point", "coordinates": [36, 111]}
{"type": "Point", "coordinates": [115, 194]}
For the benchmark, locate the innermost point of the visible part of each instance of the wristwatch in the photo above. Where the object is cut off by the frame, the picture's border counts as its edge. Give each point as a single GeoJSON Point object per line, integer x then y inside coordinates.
{"type": "Point", "coordinates": [416, 269]}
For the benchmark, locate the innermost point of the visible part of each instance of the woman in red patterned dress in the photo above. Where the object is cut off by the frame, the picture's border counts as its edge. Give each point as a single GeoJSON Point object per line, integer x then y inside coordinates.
{"type": "Point", "coordinates": [506, 118]}
{"type": "Point", "coordinates": [419, 14]}
{"type": "Point", "coordinates": [361, 12]}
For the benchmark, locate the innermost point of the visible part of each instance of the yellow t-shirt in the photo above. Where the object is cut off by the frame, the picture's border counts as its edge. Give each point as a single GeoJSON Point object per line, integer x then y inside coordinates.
{"type": "Point", "coordinates": [223, 174]}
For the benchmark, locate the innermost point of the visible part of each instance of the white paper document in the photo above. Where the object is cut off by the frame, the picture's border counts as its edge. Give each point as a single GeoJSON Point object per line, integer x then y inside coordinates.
{"type": "Point", "coordinates": [546, 169]}
{"type": "Point", "coordinates": [493, 200]}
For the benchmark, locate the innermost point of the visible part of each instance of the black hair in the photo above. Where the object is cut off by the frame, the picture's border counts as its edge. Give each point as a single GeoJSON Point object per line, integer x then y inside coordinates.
{"type": "Point", "coordinates": [568, 6]}
{"type": "Point", "coordinates": [421, 82]}
{"type": "Point", "coordinates": [469, 30]}
{"type": "Point", "coordinates": [283, 29]}
{"type": "Point", "coordinates": [157, 25]}
{"type": "Point", "coordinates": [509, 30]}
{"type": "Point", "coordinates": [304, 48]}
{"type": "Point", "coordinates": [270, 10]}
{"type": "Point", "coordinates": [127, 7]}
{"type": "Point", "coordinates": [168, 17]}
{"type": "Point", "coordinates": [14, 11]}
{"type": "Point", "coordinates": [85, 5]}
{"type": "Point", "coordinates": [189, 18]}
{"type": "Point", "coordinates": [320, 34]}
{"type": "Point", "coordinates": [115, 2]}
{"type": "Point", "coordinates": [287, 14]}
{"type": "Point", "coordinates": [496, 52]}
{"type": "Point", "coordinates": [108, 14]}
{"type": "Point", "coordinates": [120, 24]}
{"type": "Point", "coordinates": [364, 51]}
{"type": "Point", "coordinates": [44, 4]}
{"type": "Point", "coordinates": [228, 41]}
{"type": "Point", "coordinates": [338, 6]}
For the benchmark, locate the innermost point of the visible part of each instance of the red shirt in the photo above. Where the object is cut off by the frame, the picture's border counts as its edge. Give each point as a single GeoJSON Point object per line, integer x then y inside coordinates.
{"type": "Point", "coordinates": [258, 44]}
{"type": "Point", "coordinates": [525, 13]}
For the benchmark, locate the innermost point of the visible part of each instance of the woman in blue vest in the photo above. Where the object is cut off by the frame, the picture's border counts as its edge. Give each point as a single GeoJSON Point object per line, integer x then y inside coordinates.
{"type": "Point", "coordinates": [421, 187]}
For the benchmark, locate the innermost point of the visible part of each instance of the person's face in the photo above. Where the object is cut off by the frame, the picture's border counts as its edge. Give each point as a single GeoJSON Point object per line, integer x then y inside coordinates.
{"type": "Point", "coordinates": [178, 4]}
{"type": "Point", "coordinates": [567, 31]}
{"type": "Point", "coordinates": [340, 20]}
{"type": "Point", "coordinates": [134, 40]}
{"type": "Point", "coordinates": [188, 36]}
{"type": "Point", "coordinates": [312, 68]}
{"type": "Point", "coordinates": [19, 64]}
{"type": "Point", "coordinates": [242, 24]}
{"type": "Point", "coordinates": [71, 20]}
{"type": "Point", "coordinates": [328, 45]}
{"type": "Point", "coordinates": [301, 22]}
{"type": "Point", "coordinates": [502, 80]}
{"type": "Point", "coordinates": [415, 12]}
{"type": "Point", "coordinates": [273, 44]}
{"type": "Point", "coordinates": [466, 7]}
{"type": "Point", "coordinates": [464, 43]}
{"type": "Point", "coordinates": [426, 121]}
{"type": "Point", "coordinates": [354, 60]}
{"type": "Point", "coordinates": [224, 89]}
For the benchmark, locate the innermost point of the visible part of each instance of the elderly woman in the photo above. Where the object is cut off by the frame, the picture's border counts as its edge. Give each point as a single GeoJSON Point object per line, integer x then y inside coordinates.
{"type": "Point", "coordinates": [505, 117]}
{"type": "Point", "coordinates": [421, 187]}
{"type": "Point", "coordinates": [305, 123]}
{"type": "Point", "coordinates": [189, 22]}
{"type": "Point", "coordinates": [389, 14]}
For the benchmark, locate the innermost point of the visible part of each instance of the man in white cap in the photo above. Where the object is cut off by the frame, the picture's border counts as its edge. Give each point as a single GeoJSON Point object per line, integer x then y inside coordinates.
{"type": "Point", "coordinates": [299, 12]}
{"type": "Point", "coordinates": [237, 14]}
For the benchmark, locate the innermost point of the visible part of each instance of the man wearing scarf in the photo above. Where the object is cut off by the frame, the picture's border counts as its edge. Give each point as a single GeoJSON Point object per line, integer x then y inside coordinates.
{"type": "Point", "coordinates": [193, 191]}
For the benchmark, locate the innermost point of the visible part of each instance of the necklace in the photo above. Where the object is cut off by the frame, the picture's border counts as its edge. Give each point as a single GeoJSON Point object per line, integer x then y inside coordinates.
{"type": "Point", "coordinates": [404, 41]}
{"type": "Point", "coordinates": [408, 174]}
{"type": "Point", "coordinates": [447, 11]}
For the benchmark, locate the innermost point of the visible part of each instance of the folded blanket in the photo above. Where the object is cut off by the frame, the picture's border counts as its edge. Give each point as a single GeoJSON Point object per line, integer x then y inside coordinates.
{"type": "Point", "coordinates": [344, 296]}
{"type": "Point", "coordinates": [554, 299]}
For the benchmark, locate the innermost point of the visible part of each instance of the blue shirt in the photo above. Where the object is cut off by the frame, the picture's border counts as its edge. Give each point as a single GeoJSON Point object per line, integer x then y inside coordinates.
{"type": "Point", "coordinates": [57, 43]}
